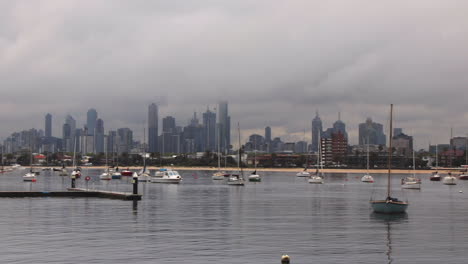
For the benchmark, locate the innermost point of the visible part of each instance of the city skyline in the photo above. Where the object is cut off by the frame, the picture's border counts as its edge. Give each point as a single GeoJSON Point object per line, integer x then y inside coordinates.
{"type": "Point", "coordinates": [296, 57]}
{"type": "Point", "coordinates": [96, 142]}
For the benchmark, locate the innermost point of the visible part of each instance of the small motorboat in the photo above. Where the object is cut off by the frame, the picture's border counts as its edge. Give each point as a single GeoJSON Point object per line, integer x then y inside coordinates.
{"type": "Point", "coordinates": [30, 176]}
{"type": "Point", "coordinates": [235, 180]}
{"type": "Point", "coordinates": [435, 176]}
{"type": "Point", "coordinates": [367, 178]}
{"type": "Point", "coordinates": [126, 172]}
{"type": "Point", "coordinates": [411, 183]}
{"type": "Point", "coordinates": [168, 177]}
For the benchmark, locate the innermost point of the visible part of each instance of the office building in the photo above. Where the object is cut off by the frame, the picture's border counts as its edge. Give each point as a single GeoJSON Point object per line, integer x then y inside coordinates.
{"type": "Point", "coordinates": [153, 128]}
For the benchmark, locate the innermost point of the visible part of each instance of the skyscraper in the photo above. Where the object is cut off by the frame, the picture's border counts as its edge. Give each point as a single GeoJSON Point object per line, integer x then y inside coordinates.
{"type": "Point", "coordinates": [153, 128]}
{"type": "Point", "coordinates": [268, 134]}
{"type": "Point", "coordinates": [99, 136]}
{"type": "Point", "coordinates": [125, 139]}
{"type": "Point", "coordinates": [69, 143]}
{"type": "Point", "coordinates": [224, 126]}
{"type": "Point", "coordinates": [316, 132]}
{"type": "Point", "coordinates": [91, 118]}
{"type": "Point", "coordinates": [168, 129]}
{"type": "Point", "coordinates": [48, 126]}
{"type": "Point", "coordinates": [209, 130]}
{"type": "Point", "coordinates": [371, 133]}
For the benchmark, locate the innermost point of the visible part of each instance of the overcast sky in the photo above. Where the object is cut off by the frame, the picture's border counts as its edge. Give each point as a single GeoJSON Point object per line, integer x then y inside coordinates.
{"type": "Point", "coordinates": [276, 62]}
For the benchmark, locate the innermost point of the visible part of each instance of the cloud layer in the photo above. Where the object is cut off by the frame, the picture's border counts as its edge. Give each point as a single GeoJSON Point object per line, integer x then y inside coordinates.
{"type": "Point", "coordinates": [276, 62]}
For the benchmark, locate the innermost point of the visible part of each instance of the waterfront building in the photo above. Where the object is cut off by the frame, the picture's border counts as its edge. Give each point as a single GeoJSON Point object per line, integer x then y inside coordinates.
{"type": "Point", "coordinates": [153, 128]}
{"type": "Point", "coordinates": [371, 133]}
{"type": "Point", "coordinates": [316, 132]}
{"type": "Point", "coordinates": [334, 148]}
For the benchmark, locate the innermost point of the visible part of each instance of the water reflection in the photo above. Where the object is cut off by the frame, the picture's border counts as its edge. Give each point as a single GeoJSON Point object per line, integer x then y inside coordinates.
{"type": "Point", "coordinates": [388, 221]}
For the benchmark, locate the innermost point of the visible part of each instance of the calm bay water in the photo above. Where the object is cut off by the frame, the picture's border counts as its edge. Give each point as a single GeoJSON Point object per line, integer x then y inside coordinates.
{"type": "Point", "coordinates": [205, 221]}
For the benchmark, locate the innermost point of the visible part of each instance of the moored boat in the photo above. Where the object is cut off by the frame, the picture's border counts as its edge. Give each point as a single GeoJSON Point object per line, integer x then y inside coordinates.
{"type": "Point", "coordinates": [169, 176]}
{"type": "Point", "coordinates": [435, 177]}
{"type": "Point", "coordinates": [449, 179]}
{"type": "Point", "coordinates": [390, 205]}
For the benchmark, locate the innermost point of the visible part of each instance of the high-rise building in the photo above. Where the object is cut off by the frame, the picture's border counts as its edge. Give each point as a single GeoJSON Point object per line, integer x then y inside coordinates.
{"type": "Point", "coordinates": [112, 142]}
{"type": "Point", "coordinates": [125, 139]}
{"type": "Point", "coordinates": [397, 131]}
{"type": "Point", "coordinates": [168, 130]}
{"type": "Point", "coordinates": [224, 126]}
{"type": "Point", "coordinates": [48, 126]}
{"type": "Point", "coordinates": [153, 128]}
{"type": "Point", "coordinates": [268, 134]}
{"type": "Point", "coordinates": [403, 144]}
{"type": "Point", "coordinates": [70, 141]}
{"type": "Point", "coordinates": [99, 136]}
{"type": "Point", "coordinates": [316, 132]}
{"type": "Point", "coordinates": [91, 118]}
{"type": "Point", "coordinates": [209, 130]}
{"type": "Point", "coordinates": [371, 133]}
{"type": "Point", "coordinates": [334, 148]}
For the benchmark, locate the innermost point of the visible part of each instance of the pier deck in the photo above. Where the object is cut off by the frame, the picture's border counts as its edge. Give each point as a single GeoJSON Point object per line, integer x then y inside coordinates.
{"type": "Point", "coordinates": [74, 192]}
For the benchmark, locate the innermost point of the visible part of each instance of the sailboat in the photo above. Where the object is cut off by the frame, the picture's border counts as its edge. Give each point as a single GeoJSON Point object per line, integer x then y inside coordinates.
{"type": "Point", "coordinates": [106, 175]}
{"type": "Point", "coordinates": [76, 171]}
{"type": "Point", "coordinates": [367, 177]}
{"type": "Point", "coordinates": [31, 175]}
{"type": "Point", "coordinates": [219, 175]}
{"type": "Point", "coordinates": [411, 182]}
{"type": "Point", "coordinates": [317, 177]}
{"type": "Point", "coordinates": [305, 173]}
{"type": "Point", "coordinates": [254, 177]}
{"type": "Point", "coordinates": [237, 179]}
{"type": "Point", "coordinates": [116, 174]}
{"type": "Point", "coordinates": [435, 175]}
{"type": "Point", "coordinates": [390, 205]}
{"type": "Point", "coordinates": [143, 175]}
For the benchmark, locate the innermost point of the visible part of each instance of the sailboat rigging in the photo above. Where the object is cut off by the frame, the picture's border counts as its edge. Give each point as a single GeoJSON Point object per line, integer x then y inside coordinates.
{"type": "Point", "coordinates": [237, 179]}
{"type": "Point", "coordinates": [390, 205]}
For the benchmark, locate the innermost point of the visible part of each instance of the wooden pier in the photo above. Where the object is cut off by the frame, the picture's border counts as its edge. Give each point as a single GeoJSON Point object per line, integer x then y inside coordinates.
{"type": "Point", "coordinates": [74, 192]}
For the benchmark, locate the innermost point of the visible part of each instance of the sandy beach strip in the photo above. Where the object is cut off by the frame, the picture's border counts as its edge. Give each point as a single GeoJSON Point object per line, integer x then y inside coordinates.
{"type": "Point", "coordinates": [293, 171]}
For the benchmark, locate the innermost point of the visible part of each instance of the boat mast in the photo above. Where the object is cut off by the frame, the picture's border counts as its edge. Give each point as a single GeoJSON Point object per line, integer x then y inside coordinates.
{"type": "Point", "coordinates": [319, 156]}
{"type": "Point", "coordinates": [239, 150]}
{"type": "Point", "coordinates": [367, 153]}
{"type": "Point", "coordinates": [219, 154]}
{"type": "Point", "coordinates": [390, 151]}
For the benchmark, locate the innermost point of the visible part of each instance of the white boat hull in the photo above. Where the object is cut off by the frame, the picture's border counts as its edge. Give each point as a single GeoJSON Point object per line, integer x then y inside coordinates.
{"type": "Point", "coordinates": [316, 180]}
{"type": "Point", "coordinates": [29, 177]}
{"type": "Point", "coordinates": [105, 176]}
{"type": "Point", "coordinates": [303, 174]}
{"type": "Point", "coordinates": [255, 178]}
{"type": "Point", "coordinates": [367, 178]}
{"type": "Point", "coordinates": [449, 180]}
{"type": "Point", "coordinates": [411, 185]}
{"type": "Point", "coordinates": [144, 178]}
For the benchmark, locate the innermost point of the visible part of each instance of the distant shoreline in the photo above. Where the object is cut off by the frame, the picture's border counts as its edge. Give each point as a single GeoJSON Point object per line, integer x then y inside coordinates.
{"type": "Point", "coordinates": [289, 170]}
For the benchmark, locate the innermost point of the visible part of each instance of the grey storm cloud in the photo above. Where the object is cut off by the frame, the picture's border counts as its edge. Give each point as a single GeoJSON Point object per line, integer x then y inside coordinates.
{"type": "Point", "coordinates": [276, 62]}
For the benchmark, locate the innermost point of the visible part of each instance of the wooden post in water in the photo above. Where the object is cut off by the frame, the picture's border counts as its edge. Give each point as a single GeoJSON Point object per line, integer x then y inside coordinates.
{"type": "Point", "coordinates": [135, 183]}
{"type": "Point", "coordinates": [73, 180]}
{"type": "Point", "coordinates": [285, 259]}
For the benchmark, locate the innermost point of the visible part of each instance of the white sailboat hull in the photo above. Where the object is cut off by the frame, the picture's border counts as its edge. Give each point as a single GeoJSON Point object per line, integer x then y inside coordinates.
{"type": "Point", "coordinates": [449, 180]}
{"type": "Point", "coordinates": [303, 174]}
{"type": "Point", "coordinates": [367, 178]}
{"type": "Point", "coordinates": [316, 180]}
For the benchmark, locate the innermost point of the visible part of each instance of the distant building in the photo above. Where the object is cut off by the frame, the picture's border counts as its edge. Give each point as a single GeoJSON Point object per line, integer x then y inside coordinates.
{"type": "Point", "coordinates": [112, 142]}
{"type": "Point", "coordinates": [397, 131]}
{"type": "Point", "coordinates": [224, 126]}
{"type": "Point", "coordinates": [125, 139]}
{"type": "Point", "coordinates": [301, 147]}
{"type": "Point", "coordinates": [316, 132]}
{"type": "Point", "coordinates": [403, 145]}
{"type": "Point", "coordinates": [91, 118]}
{"type": "Point", "coordinates": [459, 143]}
{"type": "Point", "coordinates": [153, 128]}
{"type": "Point", "coordinates": [69, 142]}
{"type": "Point", "coordinates": [209, 130]}
{"type": "Point", "coordinates": [48, 126]}
{"type": "Point", "coordinates": [99, 136]}
{"type": "Point", "coordinates": [371, 133]}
